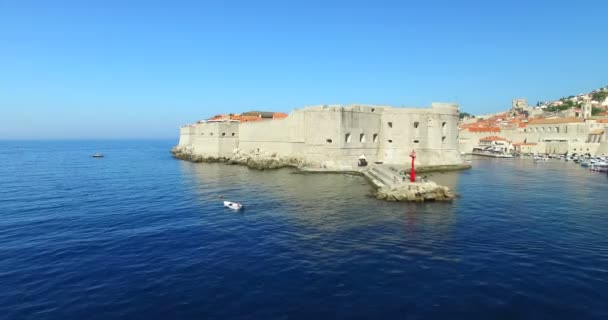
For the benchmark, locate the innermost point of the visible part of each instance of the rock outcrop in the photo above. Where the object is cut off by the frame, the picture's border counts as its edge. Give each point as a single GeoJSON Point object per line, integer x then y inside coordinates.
{"type": "Point", "coordinates": [416, 191]}
{"type": "Point", "coordinates": [255, 159]}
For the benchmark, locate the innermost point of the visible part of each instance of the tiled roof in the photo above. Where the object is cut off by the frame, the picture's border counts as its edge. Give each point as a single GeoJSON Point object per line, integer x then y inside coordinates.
{"type": "Point", "coordinates": [556, 120]}
{"type": "Point", "coordinates": [493, 138]}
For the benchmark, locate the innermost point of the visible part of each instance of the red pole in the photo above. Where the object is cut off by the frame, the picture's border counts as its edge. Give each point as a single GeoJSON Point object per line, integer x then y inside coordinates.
{"type": "Point", "coordinates": [413, 171]}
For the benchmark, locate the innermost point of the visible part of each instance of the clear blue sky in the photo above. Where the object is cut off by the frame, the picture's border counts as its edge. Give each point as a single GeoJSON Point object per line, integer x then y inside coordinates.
{"type": "Point", "coordinates": [139, 69]}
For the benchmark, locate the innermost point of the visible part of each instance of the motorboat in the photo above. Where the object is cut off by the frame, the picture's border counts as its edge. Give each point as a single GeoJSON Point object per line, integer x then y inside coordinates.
{"type": "Point", "coordinates": [97, 155]}
{"type": "Point", "coordinates": [539, 158]}
{"type": "Point", "coordinates": [233, 205]}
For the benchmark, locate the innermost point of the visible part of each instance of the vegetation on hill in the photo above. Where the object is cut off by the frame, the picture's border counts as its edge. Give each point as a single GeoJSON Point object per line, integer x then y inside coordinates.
{"type": "Point", "coordinates": [566, 104]}
{"type": "Point", "coordinates": [595, 111]}
{"type": "Point", "coordinates": [466, 114]}
{"type": "Point", "coordinates": [599, 96]}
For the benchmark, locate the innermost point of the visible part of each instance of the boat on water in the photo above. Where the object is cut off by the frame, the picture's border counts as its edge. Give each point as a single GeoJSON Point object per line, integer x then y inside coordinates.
{"type": "Point", "coordinates": [97, 155]}
{"type": "Point", "coordinates": [599, 166]}
{"type": "Point", "coordinates": [540, 158]}
{"type": "Point", "coordinates": [233, 205]}
{"type": "Point", "coordinates": [491, 152]}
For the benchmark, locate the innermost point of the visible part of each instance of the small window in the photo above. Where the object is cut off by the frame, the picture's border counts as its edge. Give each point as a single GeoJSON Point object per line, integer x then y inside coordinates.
{"type": "Point", "coordinates": [223, 134]}
{"type": "Point", "coordinates": [347, 138]}
{"type": "Point", "coordinates": [233, 134]}
{"type": "Point", "coordinates": [329, 141]}
{"type": "Point", "coordinates": [390, 124]}
{"type": "Point", "coordinates": [442, 138]}
{"type": "Point", "coordinates": [416, 124]}
{"type": "Point", "coordinates": [443, 124]}
{"type": "Point", "coordinates": [390, 141]}
{"type": "Point", "coordinates": [416, 141]}
{"type": "Point", "coordinates": [373, 110]}
{"type": "Point", "coordinates": [362, 138]}
{"type": "Point", "coordinates": [375, 138]}
{"type": "Point", "coordinates": [211, 134]}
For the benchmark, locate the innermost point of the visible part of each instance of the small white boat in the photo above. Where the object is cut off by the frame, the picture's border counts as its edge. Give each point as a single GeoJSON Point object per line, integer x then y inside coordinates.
{"type": "Point", "coordinates": [233, 205]}
{"type": "Point", "coordinates": [97, 155]}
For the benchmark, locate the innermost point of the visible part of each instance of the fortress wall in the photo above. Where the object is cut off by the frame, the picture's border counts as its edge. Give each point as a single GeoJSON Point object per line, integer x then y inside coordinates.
{"type": "Point", "coordinates": [277, 135]}
{"type": "Point", "coordinates": [215, 139]}
{"type": "Point", "coordinates": [185, 135]}
{"type": "Point", "coordinates": [433, 134]}
{"type": "Point", "coordinates": [339, 135]}
{"type": "Point", "coordinates": [342, 134]}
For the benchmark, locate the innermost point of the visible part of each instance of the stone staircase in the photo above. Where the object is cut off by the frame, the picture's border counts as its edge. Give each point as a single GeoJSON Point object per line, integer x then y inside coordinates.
{"type": "Point", "coordinates": [383, 177]}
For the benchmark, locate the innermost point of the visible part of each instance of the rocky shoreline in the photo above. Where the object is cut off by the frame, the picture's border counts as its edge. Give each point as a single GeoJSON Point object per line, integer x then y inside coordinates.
{"type": "Point", "coordinates": [416, 192]}
{"type": "Point", "coordinates": [255, 159]}
{"type": "Point", "coordinates": [387, 184]}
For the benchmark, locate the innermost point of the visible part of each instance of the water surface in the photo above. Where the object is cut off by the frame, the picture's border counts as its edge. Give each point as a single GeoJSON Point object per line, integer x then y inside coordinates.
{"type": "Point", "coordinates": [140, 235]}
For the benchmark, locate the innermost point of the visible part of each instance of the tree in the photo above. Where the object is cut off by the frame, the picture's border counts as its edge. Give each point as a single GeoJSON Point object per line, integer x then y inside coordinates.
{"type": "Point", "coordinates": [467, 115]}
{"type": "Point", "coordinates": [595, 111]}
{"type": "Point", "coordinates": [599, 96]}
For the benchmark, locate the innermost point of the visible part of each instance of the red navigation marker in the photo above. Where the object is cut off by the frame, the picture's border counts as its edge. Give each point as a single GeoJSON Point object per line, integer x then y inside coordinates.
{"type": "Point", "coordinates": [413, 171]}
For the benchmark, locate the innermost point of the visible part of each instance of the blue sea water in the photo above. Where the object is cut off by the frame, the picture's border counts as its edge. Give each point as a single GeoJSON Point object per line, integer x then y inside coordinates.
{"type": "Point", "coordinates": [139, 235]}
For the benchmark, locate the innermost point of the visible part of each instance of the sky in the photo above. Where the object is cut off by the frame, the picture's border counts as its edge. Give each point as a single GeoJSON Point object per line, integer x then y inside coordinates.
{"type": "Point", "coordinates": [140, 69]}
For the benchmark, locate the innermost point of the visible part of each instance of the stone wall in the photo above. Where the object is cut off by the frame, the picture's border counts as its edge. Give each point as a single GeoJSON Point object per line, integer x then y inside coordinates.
{"type": "Point", "coordinates": [338, 135]}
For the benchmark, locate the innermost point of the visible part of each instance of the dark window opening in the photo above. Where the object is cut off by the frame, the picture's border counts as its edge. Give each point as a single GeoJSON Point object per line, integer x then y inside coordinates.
{"type": "Point", "coordinates": [443, 124]}
{"type": "Point", "coordinates": [416, 141]}
{"type": "Point", "coordinates": [373, 110]}
{"type": "Point", "coordinates": [375, 137]}
{"type": "Point", "coordinates": [416, 124]}
{"type": "Point", "coordinates": [223, 134]}
{"type": "Point", "coordinates": [233, 134]}
{"type": "Point", "coordinates": [390, 141]}
{"type": "Point", "coordinates": [329, 141]}
{"type": "Point", "coordinates": [347, 138]}
{"type": "Point", "coordinates": [390, 124]}
{"type": "Point", "coordinates": [442, 138]}
{"type": "Point", "coordinates": [362, 137]}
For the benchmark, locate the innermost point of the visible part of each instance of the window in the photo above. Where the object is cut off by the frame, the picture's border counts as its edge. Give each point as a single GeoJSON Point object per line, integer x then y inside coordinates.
{"type": "Point", "coordinates": [223, 134]}
{"type": "Point", "coordinates": [233, 134]}
{"type": "Point", "coordinates": [375, 138]}
{"type": "Point", "coordinates": [443, 139]}
{"type": "Point", "coordinates": [416, 124]}
{"type": "Point", "coordinates": [390, 124]}
{"type": "Point", "coordinates": [373, 109]}
{"type": "Point", "coordinates": [347, 138]}
{"type": "Point", "coordinates": [362, 138]}
{"type": "Point", "coordinates": [329, 141]}
{"type": "Point", "coordinates": [211, 134]}
{"type": "Point", "coordinates": [443, 124]}
{"type": "Point", "coordinates": [416, 141]}
{"type": "Point", "coordinates": [390, 141]}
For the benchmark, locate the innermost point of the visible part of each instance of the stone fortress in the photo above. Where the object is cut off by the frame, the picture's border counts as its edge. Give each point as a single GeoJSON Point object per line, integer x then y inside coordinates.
{"type": "Point", "coordinates": [333, 136]}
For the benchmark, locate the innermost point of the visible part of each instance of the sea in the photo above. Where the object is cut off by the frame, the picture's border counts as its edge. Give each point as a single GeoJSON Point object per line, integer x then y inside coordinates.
{"type": "Point", "coordinates": [140, 235]}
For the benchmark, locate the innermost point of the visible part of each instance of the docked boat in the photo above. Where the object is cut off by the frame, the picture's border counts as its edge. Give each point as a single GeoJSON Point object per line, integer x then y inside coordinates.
{"type": "Point", "coordinates": [490, 152]}
{"type": "Point", "coordinates": [233, 205]}
{"type": "Point", "coordinates": [599, 166]}
{"type": "Point", "coordinates": [97, 155]}
{"type": "Point", "coordinates": [539, 158]}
